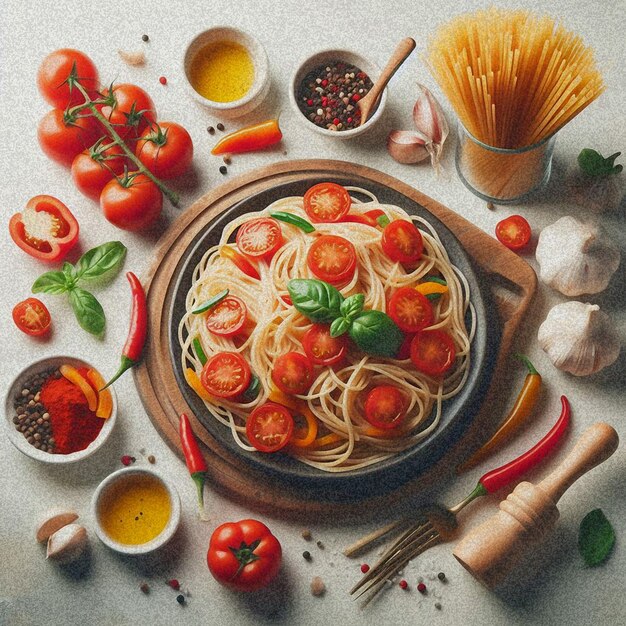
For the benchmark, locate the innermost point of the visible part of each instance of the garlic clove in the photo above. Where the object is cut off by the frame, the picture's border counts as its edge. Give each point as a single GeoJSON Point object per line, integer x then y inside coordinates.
{"type": "Point", "coordinates": [430, 120]}
{"type": "Point", "coordinates": [407, 146]}
{"type": "Point", "coordinates": [53, 521]}
{"type": "Point", "coordinates": [67, 544]}
{"type": "Point", "coordinates": [133, 58]}
{"type": "Point", "coordinates": [579, 338]}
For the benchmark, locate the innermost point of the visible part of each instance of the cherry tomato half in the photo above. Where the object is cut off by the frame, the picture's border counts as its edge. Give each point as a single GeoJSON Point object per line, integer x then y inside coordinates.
{"type": "Point", "coordinates": [327, 202]}
{"type": "Point", "coordinates": [225, 375]}
{"type": "Point", "coordinates": [240, 261]}
{"type": "Point", "coordinates": [133, 206]}
{"type": "Point", "coordinates": [260, 238]}
{"type": "Point", "coordinates": [269, 427]}
{"type": "Point", "coordinates": [433, 352]}
{"type": "Point", "coordinates": [410, 310]}
{"type": "Point", "coordinates": [321, 348]}
{"type": "Point", "coordinates": [514, 232]}
{"type": "Point", "coordinates": [227, 318]}
{"type": "Point", "coordinates": [386, 406]}
{"type": "Point", "coordinates": [332, 259]}
{"type": "Point", "coordinates": [293, 373]}
{"type": "Point", "coordinates": [402, 242]}
{"type": "Point", "coordinates": [32, 317]}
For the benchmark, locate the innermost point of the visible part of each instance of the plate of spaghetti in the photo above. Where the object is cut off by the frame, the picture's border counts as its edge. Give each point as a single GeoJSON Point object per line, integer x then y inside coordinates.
{"type": "Point", "coordinates": [332, 335]}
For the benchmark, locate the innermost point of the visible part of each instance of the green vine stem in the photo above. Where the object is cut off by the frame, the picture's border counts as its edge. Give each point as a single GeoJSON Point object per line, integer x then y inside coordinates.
{"type": "Point", "coordinates": [171, 195]}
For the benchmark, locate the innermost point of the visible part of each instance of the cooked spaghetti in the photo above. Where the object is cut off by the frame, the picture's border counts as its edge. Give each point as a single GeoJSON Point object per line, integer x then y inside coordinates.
{"type": "Point", "coordinates": [340, 438]}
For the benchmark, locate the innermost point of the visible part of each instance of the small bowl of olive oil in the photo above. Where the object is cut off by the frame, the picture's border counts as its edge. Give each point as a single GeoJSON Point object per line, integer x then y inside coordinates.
{"type": "Point", "coordinates": [227, 71]}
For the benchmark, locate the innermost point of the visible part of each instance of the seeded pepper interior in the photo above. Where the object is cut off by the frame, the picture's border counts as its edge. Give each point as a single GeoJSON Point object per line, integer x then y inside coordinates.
{"type": "Point", "coordinates": [328, 95]}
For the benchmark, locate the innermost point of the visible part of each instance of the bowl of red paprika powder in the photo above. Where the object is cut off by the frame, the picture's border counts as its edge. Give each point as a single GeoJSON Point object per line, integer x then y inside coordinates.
{"type": "Point", "coordinates": [49, 418]}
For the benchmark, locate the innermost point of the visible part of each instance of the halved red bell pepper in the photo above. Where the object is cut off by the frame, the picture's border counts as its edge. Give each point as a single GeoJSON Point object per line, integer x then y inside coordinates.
{"type": "Point", "coordinates": [45, 229]}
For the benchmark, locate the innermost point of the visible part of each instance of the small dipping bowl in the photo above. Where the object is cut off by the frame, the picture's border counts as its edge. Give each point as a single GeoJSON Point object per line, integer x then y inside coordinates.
{"type": "Point", "coordinates": [324, 58]}
{"type": "Point", "coordinates": [17, 438]}
{"type": "Point", "coordinates": [116, 480]}
{"type": "Point", "coordinates": [260, 84]}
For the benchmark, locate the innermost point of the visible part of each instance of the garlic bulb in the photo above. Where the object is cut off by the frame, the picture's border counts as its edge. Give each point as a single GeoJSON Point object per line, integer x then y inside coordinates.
{"type": "Point", "coordinates": [576, 258]}
{"type": "Point", "coordinates": [579, 338]}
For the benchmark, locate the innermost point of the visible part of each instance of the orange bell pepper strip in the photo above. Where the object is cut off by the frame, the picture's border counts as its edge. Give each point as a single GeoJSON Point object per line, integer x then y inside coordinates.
{"type": "Point", "coordinates": [303, 437]}
{"type": "Point", "coordinates": [75, 377]}
{"type": "Point", "coordinates": [194, 382]}
{"type": "Point", "coordinates": [249, 139]}
{"type": "Point", "coordinates": [105, 399]}
{"type": "Point", "coordinates": [326, 440]}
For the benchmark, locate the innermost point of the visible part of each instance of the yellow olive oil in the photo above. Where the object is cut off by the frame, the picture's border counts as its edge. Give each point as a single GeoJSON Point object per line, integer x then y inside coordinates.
{"type": "Point", "coordinates": [135, 509]}
{"type": "Point", "coordinates": [222, 71]}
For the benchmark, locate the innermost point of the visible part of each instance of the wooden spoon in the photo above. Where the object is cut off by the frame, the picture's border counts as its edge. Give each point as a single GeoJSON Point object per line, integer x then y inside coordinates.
{"type": "Point", "coordinates": [399, 56]}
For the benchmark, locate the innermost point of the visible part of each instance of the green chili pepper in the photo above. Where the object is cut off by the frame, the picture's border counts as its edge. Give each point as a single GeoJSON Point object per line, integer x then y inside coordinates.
{"type": "Point", "coordinates": [197, 348]}
{"type": "Point", "coordinates": [211, 303]}
{"type": "Point", "coordinates": [294, 220]}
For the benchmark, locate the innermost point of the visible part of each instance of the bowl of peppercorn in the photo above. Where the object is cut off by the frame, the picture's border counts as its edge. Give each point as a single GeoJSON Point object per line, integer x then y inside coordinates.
{"type": "Point", "coordinates": [55, 411]}
{"type": "Point", "coordinates": [326, 88]}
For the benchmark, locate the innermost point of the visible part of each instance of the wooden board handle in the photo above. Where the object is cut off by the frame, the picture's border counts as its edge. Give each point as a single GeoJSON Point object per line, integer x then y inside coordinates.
{"type": "Point", "coordinates": [595, 446]}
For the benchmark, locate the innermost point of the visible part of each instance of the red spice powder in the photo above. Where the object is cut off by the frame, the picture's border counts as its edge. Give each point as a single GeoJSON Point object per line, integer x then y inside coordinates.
{"type": "Point", "coordinates": [74, 426]}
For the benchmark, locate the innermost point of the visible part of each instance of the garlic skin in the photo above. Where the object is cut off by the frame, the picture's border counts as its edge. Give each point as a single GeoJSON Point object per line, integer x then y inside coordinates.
{"type": "Point", "coordinates": [53, 521]}
{"type": "Point", "coordinates": [576, 258]}
{"type": "Point", "coordinates": [579, 338]}
{"type": "Point", "coordinates": [135, 58]}
{"type": "Point", "coordinates": [407, 146]}
{"type": "Point", "coordinates": [67, 544]}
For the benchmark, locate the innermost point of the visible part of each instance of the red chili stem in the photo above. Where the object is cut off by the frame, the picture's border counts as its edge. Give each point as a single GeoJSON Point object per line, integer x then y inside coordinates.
{"type": "Point", "coordinates": [193, 456]}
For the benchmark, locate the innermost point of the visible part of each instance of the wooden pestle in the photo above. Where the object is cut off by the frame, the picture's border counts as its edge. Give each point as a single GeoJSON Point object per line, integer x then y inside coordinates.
{"type": "Point", "coordinates": [529, 513]}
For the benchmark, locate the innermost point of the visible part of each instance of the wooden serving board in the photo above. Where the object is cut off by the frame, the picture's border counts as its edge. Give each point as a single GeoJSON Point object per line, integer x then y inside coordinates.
{"type": "Point", "coordinates": [511, 280]}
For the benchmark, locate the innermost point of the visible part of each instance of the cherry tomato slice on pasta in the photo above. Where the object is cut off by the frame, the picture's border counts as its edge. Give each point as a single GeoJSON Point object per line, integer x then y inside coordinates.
{"type": "Point", "coordinates": [293, 373]}
{"type": "Point", "coordinates": [386, 406]}
{"type": "Point", "coordinates": [269, 427]}
{"type": "Point", "coordinates": [433, 352]}
{"type": "Point", "coordinates": [402, 242]}
{"type": "Point", "coordinates": [332, 259]}
{"type": "Point", "coordinates": [32, 317]}
{"type": "Point", "coordinates": [260, 238]}
{"type": "Point", "coordinates": [227, 318]}
{"type": "Point", "coordinates": [410, 310]}
{"type": "Point", "coordinates": [514, 232]}
{"type": "Point", "coordinates": [241, 262]}
{"type": "Point", "coordinates": [327, 202]}
{"type": "Point", "coordinates": [321, 348]}
{"type": "Point", "coordinates": [225, 375]}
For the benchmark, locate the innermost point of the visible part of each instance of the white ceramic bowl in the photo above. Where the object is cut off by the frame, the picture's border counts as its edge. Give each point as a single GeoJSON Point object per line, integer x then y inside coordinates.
{"type": "Point", "coordinates": [328, 56]}
{"type": "Point", "coordinates": [260, 86]}
{"type": "Point", "coordinates": [162, 538]}
{"type": "Point", "coordinates": [18, 439]}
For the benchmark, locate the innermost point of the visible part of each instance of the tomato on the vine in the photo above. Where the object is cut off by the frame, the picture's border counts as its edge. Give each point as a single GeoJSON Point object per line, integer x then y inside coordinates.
{"type": "Point", "coordinates": [32, 317]}
{"type": "Point", "coordinates": [56, 73]}
{"type": "Point", "coordinates": [132, 111]}
{"type": "Point", "coordinates": [62, 136]}
{"type": "Point", "coordinates": [166, 150]}
{"type": "Point", "coordinates": [132, 203]}
{"type": "Point", "coordinates": [244, 555]}
{"type": "Point", "coordinates": [92, 169]}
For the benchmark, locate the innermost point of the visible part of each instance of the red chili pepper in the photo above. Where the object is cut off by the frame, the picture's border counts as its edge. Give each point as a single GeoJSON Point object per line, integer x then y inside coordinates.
{"type": "Point", "coordinates": [193, 456]}
{"type": "Point", "coordinates": [250, 138]}
{"type": "Point", "coordinates": [131, 354]}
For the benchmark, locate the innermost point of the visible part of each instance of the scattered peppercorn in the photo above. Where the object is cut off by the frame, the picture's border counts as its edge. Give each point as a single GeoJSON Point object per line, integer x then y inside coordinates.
{"type": "Point", "coordinates": [318, 588]}
{"type": "Point", "coordinates": [180, 598]}
{"type": "Point", "coordinates": [145, 38]}
{"type": "Point", "coordinates": [490, 206]}
{"type": "Point", "coordinates": [174, 584]}
{"type": "Point", "coordinates": [320, 545]}
{"type": "Point", "coordinates": [421, 587]}
{"type": "Point", "coordinates": [227, 160]}
{"type": "Point", "coordinates": [306, 555]}
{"type": "Point", "coordinates": [441, 576]}
{"type": "Point", "coordinates": [211, 130]}
{"type": "Point", "coordinates": [163, 80]}
{"type": "Point", "coordinates": [127, 460]}
{"type": "Point", "coordinates": [306, 534]}
{"type": "Point", "coordinates": [223, 170]}
{"type": "Point", "coordinates": [438, 606]}
{"type": "Point", "coordinates": [220, 126]}
{"type": "Point", "coordinates": [365, 568]}
{"type": "Point", "coordinates": [151, 459]}
{"type": "Point", "coordinates": [403, 584]}
{"type": "Point", "coordinates": [145, 588]}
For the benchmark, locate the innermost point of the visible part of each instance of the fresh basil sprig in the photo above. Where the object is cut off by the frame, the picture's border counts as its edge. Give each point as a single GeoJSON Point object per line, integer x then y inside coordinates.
{"type": "Point", "coordinates": [373, 332]}
{"type": "Point", "coordinates": [596, 538]}
{"type": "Point", "coordinates": [91, 265]}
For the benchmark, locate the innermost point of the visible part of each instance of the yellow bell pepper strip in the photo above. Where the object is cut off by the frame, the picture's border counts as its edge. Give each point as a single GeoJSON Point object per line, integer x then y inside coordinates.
{"type": "Point", "coordinates": [526, 401]}
{"type": "Point", "coordinates": [277, 396]}
{"type": "Point", "coordinates": [249, 139]}
{"type": "Point", "coordinates": [105, 399]}
{"type": "Point", "coordinates": [75, 377]}
{"type": "Point", "coordinates": [326, 440]}
{"type": "Point", "coordinates": [304, 437]}
{"type": "Point", "coordinates": [194, 382]}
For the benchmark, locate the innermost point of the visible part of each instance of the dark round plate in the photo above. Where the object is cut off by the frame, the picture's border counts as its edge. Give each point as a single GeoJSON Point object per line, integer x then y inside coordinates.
{"type": "Point", "coordinates": [387, 475]}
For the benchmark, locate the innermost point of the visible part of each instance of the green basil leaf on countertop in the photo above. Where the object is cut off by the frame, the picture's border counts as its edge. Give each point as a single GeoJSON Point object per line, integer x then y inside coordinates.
{"type": "Point", "coordinates": [100, 260]}
{"type": "Point", "coordinates": [315, 299]}
{"type": "Point", "coordinates": [352, 306]}
{"type": "Point", "coordinates": [594, 164]}
{"type": "Point", "coordinates": [51, 282]}
{"type": "Point", "coordinates": [88, 311]}
{"type": "Point", "coordinates": [596, 538]}
{"type": "Point", "coordinates": [376, 333]}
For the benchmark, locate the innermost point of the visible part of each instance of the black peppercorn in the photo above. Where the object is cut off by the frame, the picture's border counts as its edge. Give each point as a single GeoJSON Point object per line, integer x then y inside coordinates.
{"type": "Point", "coordinates": [223, 170]}
{"type": "Point", "coordinates": [220, 126]}
{"type": "Point", "coordinates": [145, 38]}
{"type": "Point", "coordinates": [180, 598]}
{"type": "Point", "coordinates": [211, 130]}
{"type": "Point", "coordinates": [306, 555]}
{"type": "Point", "coordinates": [441, 576]}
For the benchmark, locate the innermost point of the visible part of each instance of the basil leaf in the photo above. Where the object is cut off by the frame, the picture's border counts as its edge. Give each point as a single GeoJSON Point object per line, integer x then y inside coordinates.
{"type": "Point", "coordinates": [51, 282]}
{"type": "Point", "coordinates": [376, 333]}
{"type": "Point", "coordinates": [88, 311]}
{"type": "Point", "coordinates": [594, 164]}
{"type": "Point", "coordinates": [339, 326]}
{"type": "Point", "coordinates": [70, 274]}
{"type": "Point", "coordinates": [315, 299]}
{"type": "Point", "coordinates": [352, 306]}
{"type": "Point", "coordinates": [100, 260]}
{"type": "Point", "coordinates": [596, 538]}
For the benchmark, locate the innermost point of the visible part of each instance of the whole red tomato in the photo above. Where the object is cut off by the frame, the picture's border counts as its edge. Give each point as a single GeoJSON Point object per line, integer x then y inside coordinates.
{"type": "Point", "coordinates": [131, 112]}
{"type": "Point", "coordinates": [166, 149]}
{"type": "Point", "coordinates": [132, 203]}
{"type": "Point", "coordinates": [62, 136]}
{"type": "Point", "coordinates": [92, 169]}
{"type": "Point", "coordinates": [244, 555]}
{"type": "Point", "coordinates": [56, 69]}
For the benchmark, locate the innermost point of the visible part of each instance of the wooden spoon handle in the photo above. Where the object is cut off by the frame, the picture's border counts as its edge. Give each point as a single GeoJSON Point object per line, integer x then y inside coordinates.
{"type": "Point", "coordinates": [595, 446]}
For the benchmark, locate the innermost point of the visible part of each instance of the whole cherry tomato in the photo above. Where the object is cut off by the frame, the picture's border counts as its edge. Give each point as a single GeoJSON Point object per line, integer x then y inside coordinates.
{"type": "Point", "coordinates": [131, 112]}
{"type": "Point", "coordinates": [57, 68]}
{"type": "Point", "coordinates": [63, 136]}
{"type": "Point", "coordinates": [132, 203]}
{"type": "Point", "coordinates": [244, 555]}
{"type": "Point", "coordinates": [166, 149]}
{"type": "Point", "coordinates": [92, 169]}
